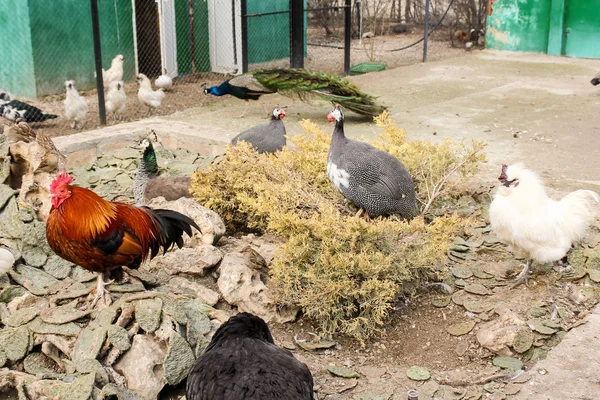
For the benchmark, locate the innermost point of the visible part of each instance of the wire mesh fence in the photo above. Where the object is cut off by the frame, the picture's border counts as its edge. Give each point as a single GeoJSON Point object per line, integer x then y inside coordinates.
{"type": "Point", "coordinates": [196, 43]}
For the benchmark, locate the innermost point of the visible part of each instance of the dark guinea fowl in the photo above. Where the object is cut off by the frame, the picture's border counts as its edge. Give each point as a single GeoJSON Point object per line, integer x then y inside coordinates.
{"type": "Point", "coordinates": [15, 109]}
{"type": "Point", "coordinates": [265, 138]}
{"type": "Point", "coordinates": [302, 82]}
{"type": "Point", "coordinates": [242, 362]}
{"type": "Point", "coordinates": [373, 180]}
{"type": "Point", "coordinates": [596, 79]}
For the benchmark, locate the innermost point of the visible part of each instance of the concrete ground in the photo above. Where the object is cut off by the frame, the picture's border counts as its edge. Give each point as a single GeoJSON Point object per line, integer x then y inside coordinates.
{"type": "Point", "coordinates": [529, 108]}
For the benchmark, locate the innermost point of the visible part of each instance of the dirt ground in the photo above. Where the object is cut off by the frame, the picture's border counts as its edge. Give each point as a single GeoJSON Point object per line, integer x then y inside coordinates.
{"type": "Point", "coordinates": [529, 108]}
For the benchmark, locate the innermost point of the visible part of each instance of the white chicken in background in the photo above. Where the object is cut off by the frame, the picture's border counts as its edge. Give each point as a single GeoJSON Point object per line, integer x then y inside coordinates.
{"type": "Point", "coordinates": [116, 99]}
{"type": "Point", "coordinates": [76, 107]}
{"type": "Point", "coordinates": [164, 81]}
{"type": "Point", "coordinates": [115, 72]}
{"type": "Point", "coordinates": [7, 260]}
{"type": "Point", "coordinates": [534, 225]}
{"type": "Point", "coordinates": [150, 98]}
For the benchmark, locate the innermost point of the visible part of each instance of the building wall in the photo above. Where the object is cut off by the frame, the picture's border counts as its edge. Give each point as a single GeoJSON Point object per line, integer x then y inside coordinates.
{"type": "Point", "coordinates": [556, 27]}
{"type": "Point", "coordinates": [16, 56]}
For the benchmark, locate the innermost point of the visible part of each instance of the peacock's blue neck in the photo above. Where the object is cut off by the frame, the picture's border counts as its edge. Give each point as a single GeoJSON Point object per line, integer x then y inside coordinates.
{"type": "Point", "coordinates": [223, 89]}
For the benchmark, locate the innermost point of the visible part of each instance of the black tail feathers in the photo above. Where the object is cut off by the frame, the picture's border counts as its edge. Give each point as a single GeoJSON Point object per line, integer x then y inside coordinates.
{"type": "Point", "coordinates": [171, 225]}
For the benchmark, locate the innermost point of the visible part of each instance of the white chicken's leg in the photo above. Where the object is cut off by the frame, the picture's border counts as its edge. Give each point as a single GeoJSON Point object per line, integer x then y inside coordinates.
{"type": "Point", "coordinates": [101, 292]}
{"type": "Point", "coordinates": [524, 275]}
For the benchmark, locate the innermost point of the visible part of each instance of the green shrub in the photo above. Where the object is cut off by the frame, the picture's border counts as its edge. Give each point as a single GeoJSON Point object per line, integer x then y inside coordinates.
{"type": "Point", "coordinates": [344, 272]}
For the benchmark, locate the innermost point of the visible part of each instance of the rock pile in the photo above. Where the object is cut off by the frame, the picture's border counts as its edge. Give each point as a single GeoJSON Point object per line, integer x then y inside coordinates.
{"type": "Point", "coordinates": [162, 317]}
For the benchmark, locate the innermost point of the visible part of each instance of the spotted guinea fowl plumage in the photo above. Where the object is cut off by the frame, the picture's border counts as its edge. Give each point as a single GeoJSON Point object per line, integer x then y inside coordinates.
{"type": "Point", "coordinates": [242, 362]}
{"type": "Point", "coordinates": [266, 138]}
{"type": "Point", "coordinates": [372, 179]}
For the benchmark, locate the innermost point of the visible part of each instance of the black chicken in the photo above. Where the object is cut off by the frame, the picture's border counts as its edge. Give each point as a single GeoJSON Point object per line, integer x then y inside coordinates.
{"type": "Point", "coordinates": [242, 362]}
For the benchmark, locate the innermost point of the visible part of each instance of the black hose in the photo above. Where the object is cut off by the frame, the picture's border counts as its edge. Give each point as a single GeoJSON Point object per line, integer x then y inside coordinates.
{"type": "Point", "coordinates": [430, 32]}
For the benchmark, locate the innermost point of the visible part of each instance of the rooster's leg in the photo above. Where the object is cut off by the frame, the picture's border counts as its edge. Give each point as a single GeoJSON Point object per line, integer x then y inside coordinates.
{"type": "Point", "coordinates": [524, 275]}
{"type": "Point", "coordinates": [101, 292]}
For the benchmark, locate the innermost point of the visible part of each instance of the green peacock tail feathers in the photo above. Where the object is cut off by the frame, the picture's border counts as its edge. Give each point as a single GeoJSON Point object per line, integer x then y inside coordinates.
{"type": "Point", "coordinates": [149, 158]}
{"type": "Point", "coordinates": [331, 87]}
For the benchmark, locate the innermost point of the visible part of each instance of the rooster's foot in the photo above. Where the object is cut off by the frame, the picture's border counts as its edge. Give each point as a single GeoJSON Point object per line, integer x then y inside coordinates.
{"type": "Point", "coordinates": [523, 277]}
{"type": "Point", "coordinates": [101, 293]}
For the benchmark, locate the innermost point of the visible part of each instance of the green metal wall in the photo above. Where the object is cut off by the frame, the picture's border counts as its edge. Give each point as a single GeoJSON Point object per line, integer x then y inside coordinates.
{"type": "Point", "coordinates": [268, 36]}
{"type": "Point", "coordinates": [520, 25]}
{"type": "Point", "coordinates": [557, 27]}
{"type": "Point", "coordinates": [583, 29]}
{"type": "Point", "coordinates": [16, 56]}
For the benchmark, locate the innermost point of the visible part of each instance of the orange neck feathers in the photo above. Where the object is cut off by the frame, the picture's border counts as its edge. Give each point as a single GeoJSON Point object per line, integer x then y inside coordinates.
{"type": "Point", "coordinates": [85, 214]}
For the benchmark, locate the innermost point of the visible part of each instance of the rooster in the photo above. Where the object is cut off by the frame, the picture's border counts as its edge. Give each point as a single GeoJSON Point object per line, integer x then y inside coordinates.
{"type": "Point", "coordinates": [147, 96]}
{"type": "Point", "coordinates": [102, 236]}
{"type": "Point", "coordinates": [76, 107]}
{"type": "Point", "coordinates": [536, 226]}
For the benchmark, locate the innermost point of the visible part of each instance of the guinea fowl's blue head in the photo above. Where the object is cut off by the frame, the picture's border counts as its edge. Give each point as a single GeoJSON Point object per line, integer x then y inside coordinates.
{"type": "Point", "coordinates": [242, 325]}
{"type": "Point", "coordinates": [222, 89]}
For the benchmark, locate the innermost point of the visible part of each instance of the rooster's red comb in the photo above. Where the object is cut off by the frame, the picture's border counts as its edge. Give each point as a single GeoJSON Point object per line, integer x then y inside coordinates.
{"type": "Point", "coordinates": [61, 179]}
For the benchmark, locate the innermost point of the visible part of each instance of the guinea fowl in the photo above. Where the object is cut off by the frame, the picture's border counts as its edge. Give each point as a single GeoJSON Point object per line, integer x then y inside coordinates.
{"type": "Point", "coordinates": [374, 180]}
{"type": "Point", "coordinates": [266, 138]}
{"type": "Point", "coordinates": [596, 79]}
{"type": "Point", "coordinates": [298, 81]}
{"type": "Point", "coordinates": [242, 362]}
{"type": "Point", "coordinates": [148, 185]}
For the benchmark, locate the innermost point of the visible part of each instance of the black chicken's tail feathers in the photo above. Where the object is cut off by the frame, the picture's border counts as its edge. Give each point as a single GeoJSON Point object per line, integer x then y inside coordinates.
{"type": "Point", "coordinates": [48, 116]}
{"type": "Point", "coordinates": [171, 225]}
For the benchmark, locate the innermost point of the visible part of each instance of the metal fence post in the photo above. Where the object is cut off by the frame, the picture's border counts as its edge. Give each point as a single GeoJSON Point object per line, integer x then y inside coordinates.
{"type": "Point", "coordinates": [347, 35]}
{"type": "Point", "coordinates": [297, 33]}
{"type": "Point", "coordinates": [98, 58]}
{"type": "Point", "coordinates": [426, 34]}
{"type": "Point", "coordinates": [244, 12]}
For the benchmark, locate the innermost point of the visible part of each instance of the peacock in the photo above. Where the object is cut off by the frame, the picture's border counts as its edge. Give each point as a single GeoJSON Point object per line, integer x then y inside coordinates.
{"type": "Point", "coordinates": [302, 82]}
{"type": "Point", "coordinates": [147, 184]}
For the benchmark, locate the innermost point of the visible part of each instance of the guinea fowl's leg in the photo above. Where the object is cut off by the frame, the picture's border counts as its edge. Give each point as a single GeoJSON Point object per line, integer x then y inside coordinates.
{"type": "Point", "coordinates": [359, 213]}
{"type": "Point", "coordinates": [101, 292]}
{"type": "Point", "coordinates": [245, 109]}
{"type": "Point", "coordinates": [524, 275]}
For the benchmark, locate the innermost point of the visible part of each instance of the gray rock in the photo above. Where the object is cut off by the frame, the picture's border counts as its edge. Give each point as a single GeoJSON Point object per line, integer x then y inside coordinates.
{"type": "Point", "coordinates": [180, 285]}
{"type": "Point", "coordinates": [210, 223]}
{"type": "Point", "coordinates": [22, 316]}
{"type": "Point", "coordinates": [181, 168]}
{"type": "Point", "coordinates": [34, 235]}
{"type": "Point", "coordinates": [118, 337]}
{"type": "Point", "coordinates": [142, 366]}
{"type": "Point", "coordinates": [3, 358]}
{"type": "Point", "coordinates": [241, 286]}
{"type": "Point", "coordinates": [148, 313]}
{"type": "Point", "coordinates": [124, 180]}
{"type": "Point", "coordinates": [33, 279]}
{"type": "Point", "coordinates": [198, 323]}
{"type": "Point", "coordinates": [15, 342]}
{"type": "Point", "coordinates": [10, 293]}
{"type": "Point", "coordinates": [180, 359]}
{"type": "Point", "coordinates": [34, 256]}
{"type": "Point", "coordinates": [26, 215]}
{"type": "Point", "coordinates": [41, 327]}
{"type": "Point", "coordinates": [192, 261]}
{"type": "Point", "coordinates": [82, 275]}
{"type": "Point", "coordinates": [58, 267]}
{"type": "Point", "coordinates": [120, 392]}
{"type": "Point", "coordinates": [6, 192]}
{"type": "Point", "coordinates": [11, 226]}
{"type": "Point", "coordinates": [40, 364]}
{"type": "Point", "coordinates": [93, 366]}
{"type": "Point", "coordinates": [63, 314]}
{"type": "Point", "coordinates": [125, 153]}
{"type": "Point", "coordinates": [79, 389]}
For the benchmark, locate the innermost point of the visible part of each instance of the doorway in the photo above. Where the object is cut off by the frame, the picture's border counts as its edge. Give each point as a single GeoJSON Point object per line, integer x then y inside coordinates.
{"type": "Point", "coordinates": [147, 37]}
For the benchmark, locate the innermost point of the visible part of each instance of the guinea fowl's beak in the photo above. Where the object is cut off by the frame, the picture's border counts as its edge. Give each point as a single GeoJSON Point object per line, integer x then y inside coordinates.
{"type": "Point", "coordinates": [330, 117]}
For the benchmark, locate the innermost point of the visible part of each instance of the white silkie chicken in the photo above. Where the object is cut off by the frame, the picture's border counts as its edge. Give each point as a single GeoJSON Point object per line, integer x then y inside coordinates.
{"type": "Point", "coordinates": [76, 107]}
{"type": "Point", "coordinates": [116, 100]}
{"type": "Point", "coordinates": [115, 72]}
{"type": "Point", "coordinates": [7, 260]}
{"type": "Point", "coordinates": [150, 98]}
{"type": "Point", "coordinates": [534, 225]}
{"type": "Point", "coordinates": [164, 81]}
